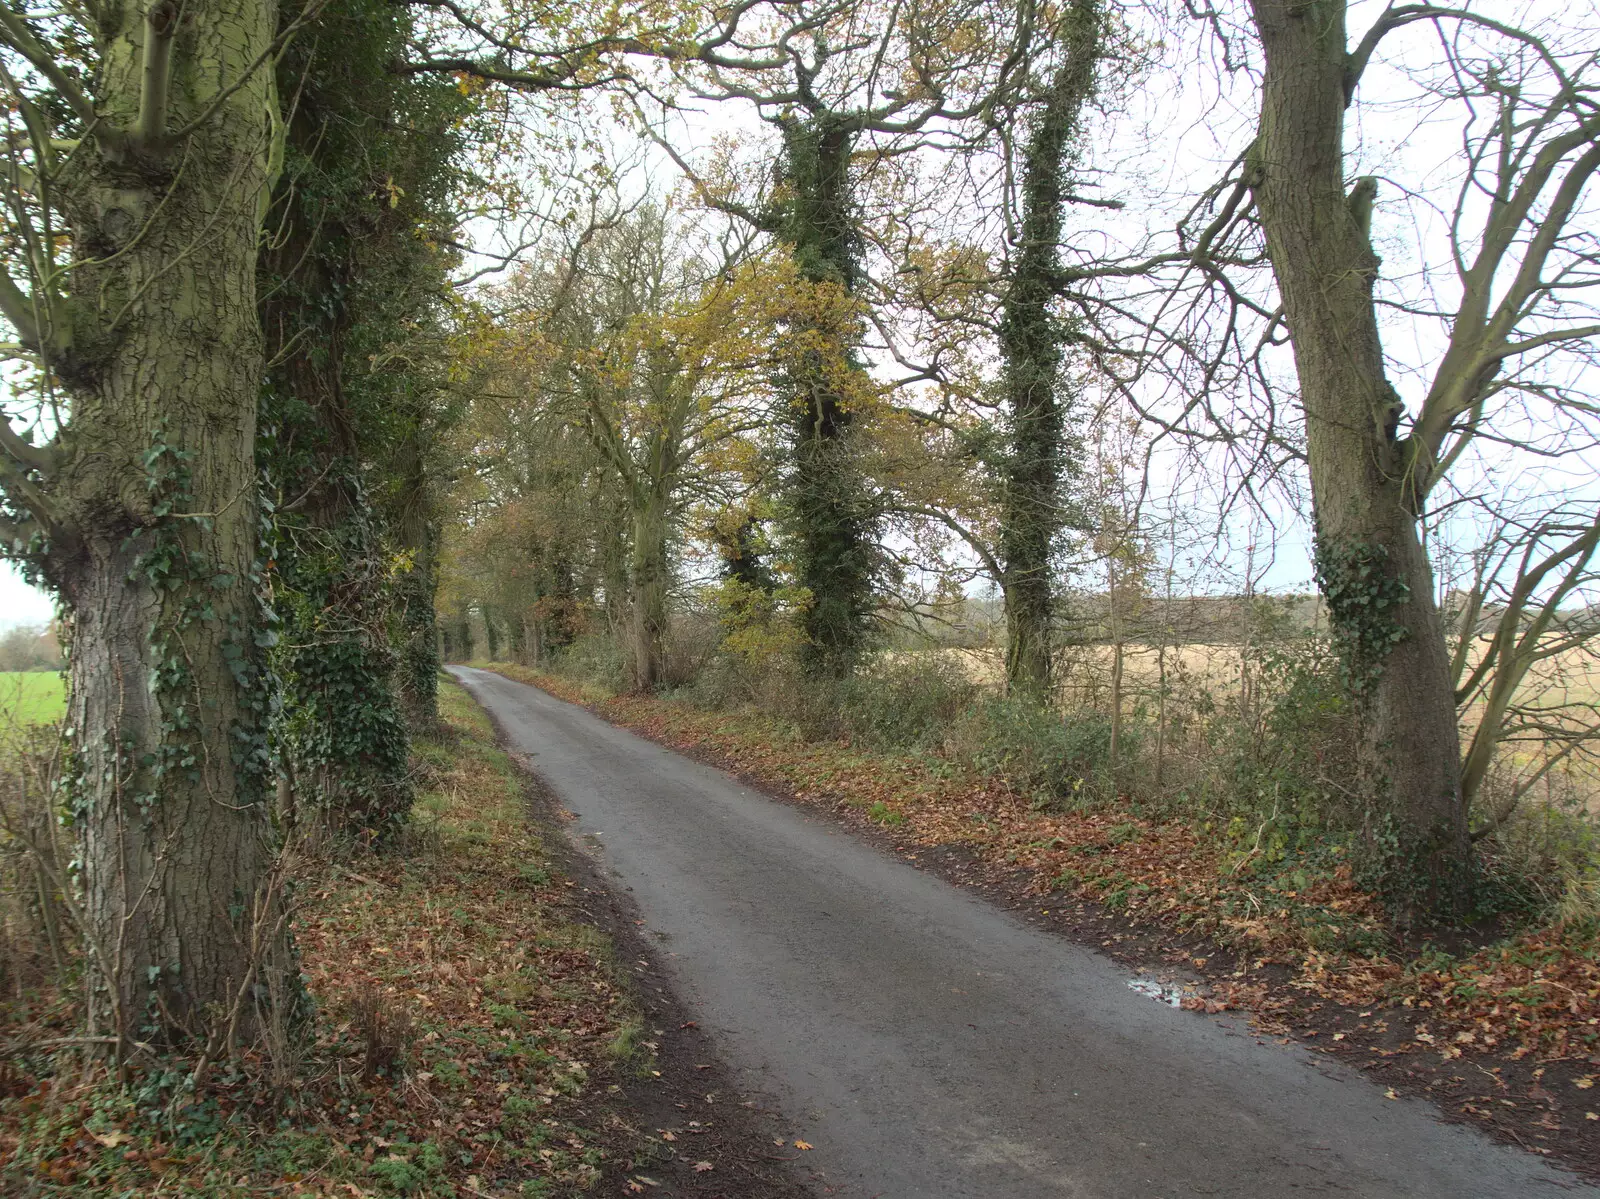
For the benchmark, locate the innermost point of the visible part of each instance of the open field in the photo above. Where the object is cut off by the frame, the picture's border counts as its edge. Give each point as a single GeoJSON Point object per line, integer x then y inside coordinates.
{"type": "Point", "coordinates": [1570, 678]}
{"type": "Point", "coordinates": [31, 697]}
{"type": "Point", "coordinates": [1559, 692]}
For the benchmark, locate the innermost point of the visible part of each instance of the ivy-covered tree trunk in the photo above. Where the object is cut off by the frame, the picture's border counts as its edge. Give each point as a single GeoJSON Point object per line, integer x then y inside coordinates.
{"type": "Point", "coordinates": [832, 512]}
{"type": "Point", "coordinates": [516, 635]}
{"type": "Point", "coordinates": [416, 532]}
{"type": "Point", "coordinates": [156, 532]}
{"type": "Point", "coordinates": [338, 732]}
{"type": "Point", "coordinates": [1033, 508]}
{"type": "Point", "coordinates": [1371, 565]}
{"type": "Point", "coordinates": [554, 615]}
{"type": "Point", "coordinates": [353, 271]}
{"type": "Point", "coordinates": [356, 280]}
{"type": "Point", "coordinates": [649, 580]}
{"type": "Point", "coordinates": [455, 636]}
{"type": "Point", "coordinates": [742, 549]}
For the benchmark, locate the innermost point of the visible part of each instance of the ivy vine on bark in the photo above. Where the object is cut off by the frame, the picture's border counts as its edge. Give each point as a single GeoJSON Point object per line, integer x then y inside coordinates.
{"type": "Point", "coordinates": [1362, 590]}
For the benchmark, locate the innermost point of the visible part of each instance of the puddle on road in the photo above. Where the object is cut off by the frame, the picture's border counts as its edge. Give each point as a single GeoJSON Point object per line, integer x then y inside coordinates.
{"type": "Point", "coordinates": [1171, 994]}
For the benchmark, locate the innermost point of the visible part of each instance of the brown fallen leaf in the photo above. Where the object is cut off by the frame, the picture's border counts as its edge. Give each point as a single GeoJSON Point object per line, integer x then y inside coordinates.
{"type": "Point", "coordinates": [703, 1167]}
{"type": "Point", "coordinates": [801, 1145]}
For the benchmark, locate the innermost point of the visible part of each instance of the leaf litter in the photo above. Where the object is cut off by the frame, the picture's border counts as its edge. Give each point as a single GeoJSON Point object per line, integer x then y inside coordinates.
{"type": "Point", "coordinates": [509, 1056]}
{"type": "Point", "coordinates": [1304, 956]}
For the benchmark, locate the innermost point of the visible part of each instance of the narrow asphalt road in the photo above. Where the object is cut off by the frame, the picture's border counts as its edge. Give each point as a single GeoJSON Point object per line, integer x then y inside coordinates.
{"type": "Point", "coordinates": [930, 1044]}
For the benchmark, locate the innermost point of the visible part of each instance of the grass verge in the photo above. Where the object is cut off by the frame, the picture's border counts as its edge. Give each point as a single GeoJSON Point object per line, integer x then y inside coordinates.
{"type": "Point", "coordinates": [471, 1033]}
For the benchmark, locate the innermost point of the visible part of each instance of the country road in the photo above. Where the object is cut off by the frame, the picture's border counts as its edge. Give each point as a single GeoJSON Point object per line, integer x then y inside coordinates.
{"type": "Point", "coordinates": [928, 1043]}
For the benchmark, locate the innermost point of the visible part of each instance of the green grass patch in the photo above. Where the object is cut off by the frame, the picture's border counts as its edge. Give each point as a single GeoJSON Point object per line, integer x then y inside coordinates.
{"type": "Point", "coordinates": [31, 697]}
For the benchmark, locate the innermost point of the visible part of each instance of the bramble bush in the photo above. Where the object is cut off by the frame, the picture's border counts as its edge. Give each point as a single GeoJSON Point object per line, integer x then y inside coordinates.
{"type": "Point", "coordinates": [37, 940]}
{"type": "Point", "coordinates": [906, 701]}
{"type": "Point", "coordinates": [1055, 759]}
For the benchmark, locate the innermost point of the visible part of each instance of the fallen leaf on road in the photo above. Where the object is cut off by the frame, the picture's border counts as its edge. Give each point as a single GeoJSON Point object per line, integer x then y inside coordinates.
{"type": "Point", "coordinates": [1390, 1094]}
{"type": "Point", "coordinates": [801, 1145]}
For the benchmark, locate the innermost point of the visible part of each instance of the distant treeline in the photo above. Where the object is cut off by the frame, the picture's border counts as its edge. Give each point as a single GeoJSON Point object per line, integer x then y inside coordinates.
{"type": "Point", "coordinates": [30, 647]}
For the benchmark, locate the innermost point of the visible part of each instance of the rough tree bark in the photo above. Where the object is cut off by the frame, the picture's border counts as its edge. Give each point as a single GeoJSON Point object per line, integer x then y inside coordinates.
{"type": "Point", "coordinates": [1033, 512]}
{"type": "Point", "coordinates": [149, 508]}
{"type": "Point", "coordinates": [648, 578]}
{"type": "Point", "coordinates": [1371, 565]}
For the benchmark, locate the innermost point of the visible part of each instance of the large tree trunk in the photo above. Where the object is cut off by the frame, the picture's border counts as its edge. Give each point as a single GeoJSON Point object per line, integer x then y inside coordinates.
{"type": "Point", "coordinates": [1371, 565]}
{"type": "Point", "coordinates": [416, 531]}
{"type": "Point", "coordinates": [328, 413]}
{"type": "Point", "coordinates": [649, 578]}
{"type": "Point", "coordinates": [833, 515]}
{"type": "Point", "coordinates": [157, 548]}
{"type": "Point", "coordinates": [340, 733]}
{"type": "Point", "coordinates": [1031, 338]}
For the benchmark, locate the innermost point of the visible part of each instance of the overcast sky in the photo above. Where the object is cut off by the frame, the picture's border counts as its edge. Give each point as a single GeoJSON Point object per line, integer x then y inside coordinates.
{"type": "Point", "coordinates": [20, 603]}
{"type": "Point", "coordinates": [1171, 134]}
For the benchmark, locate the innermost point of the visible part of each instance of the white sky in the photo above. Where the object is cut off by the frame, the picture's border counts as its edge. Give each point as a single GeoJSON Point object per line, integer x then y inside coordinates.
{"type": "Point", "coordinates": [20, 603]}
{"type": "Point", "coordinates": [1174, 132]}
{"type": "Point", "coordinates": [1170, 134]}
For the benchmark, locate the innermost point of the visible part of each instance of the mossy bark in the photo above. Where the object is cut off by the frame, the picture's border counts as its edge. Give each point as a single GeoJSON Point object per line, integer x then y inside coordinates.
{"type": "Point", "coordinates": [157, 532]}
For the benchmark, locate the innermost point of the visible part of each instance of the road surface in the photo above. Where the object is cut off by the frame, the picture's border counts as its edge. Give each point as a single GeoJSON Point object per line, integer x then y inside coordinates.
{"type": "Point", "coordinates": [928, 1043]}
